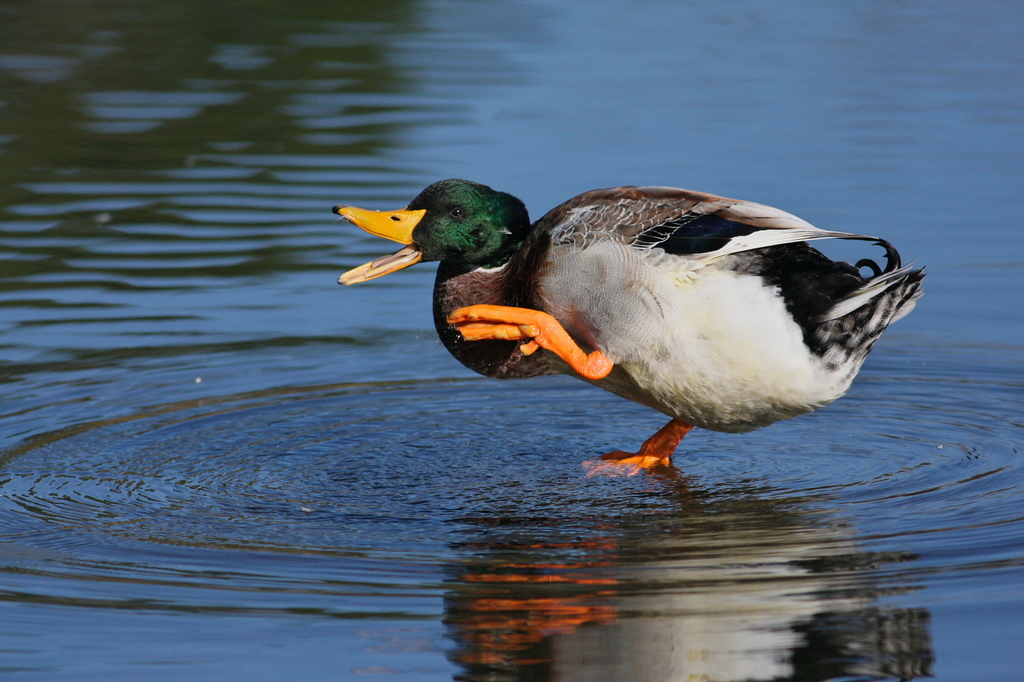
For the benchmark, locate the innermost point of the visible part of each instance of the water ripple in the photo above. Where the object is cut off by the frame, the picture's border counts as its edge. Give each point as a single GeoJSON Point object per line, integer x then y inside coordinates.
{"type": "Point", "coordinates": [384, 470]}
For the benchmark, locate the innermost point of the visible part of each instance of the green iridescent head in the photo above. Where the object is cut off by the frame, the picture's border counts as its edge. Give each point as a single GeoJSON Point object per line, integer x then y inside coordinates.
{"type": "Point", "coordinates": [456, 221]}
{"type": "Point", "coordinates": [470, 223]}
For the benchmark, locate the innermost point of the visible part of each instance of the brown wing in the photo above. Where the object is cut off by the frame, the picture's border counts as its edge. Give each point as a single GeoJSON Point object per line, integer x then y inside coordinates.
{"type": "Point", "coordinates": [682, 222]}
{"type": "Point", "coordinates": [648, 216]}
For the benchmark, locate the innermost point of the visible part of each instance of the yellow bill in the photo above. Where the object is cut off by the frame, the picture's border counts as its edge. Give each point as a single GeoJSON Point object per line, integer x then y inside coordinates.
{"type": "Point", "coordinates": [394, 225]}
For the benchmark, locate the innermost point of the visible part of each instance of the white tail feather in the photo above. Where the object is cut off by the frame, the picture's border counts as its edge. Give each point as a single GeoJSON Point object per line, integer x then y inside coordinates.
{"type": "Point", "coordinates": [870, 290]}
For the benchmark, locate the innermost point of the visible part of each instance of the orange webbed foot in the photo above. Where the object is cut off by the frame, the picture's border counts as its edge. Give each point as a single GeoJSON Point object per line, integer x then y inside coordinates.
{"type": "Point", "coordinates": [621, 463]}
{"type": "Point", "coordinates": [656, 451]}
{"type": "Point", "coordinates": [537, 328]}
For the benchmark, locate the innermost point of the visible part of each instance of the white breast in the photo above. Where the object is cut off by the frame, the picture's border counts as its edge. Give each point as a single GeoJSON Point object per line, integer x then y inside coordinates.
{"type": "Point", "coordinates": [703, 344]}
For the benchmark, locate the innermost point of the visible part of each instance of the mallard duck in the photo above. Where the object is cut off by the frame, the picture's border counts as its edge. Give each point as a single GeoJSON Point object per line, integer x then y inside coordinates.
{"type": "Point", "coordinates": [716, 312]}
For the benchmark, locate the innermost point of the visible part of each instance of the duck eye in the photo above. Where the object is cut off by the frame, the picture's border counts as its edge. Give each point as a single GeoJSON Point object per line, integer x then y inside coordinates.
{"type": "Point", "coordinates": [457, 212]}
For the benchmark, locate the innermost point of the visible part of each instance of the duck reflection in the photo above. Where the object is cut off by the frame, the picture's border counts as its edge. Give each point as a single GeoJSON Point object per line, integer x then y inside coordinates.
{"type": "Point", "coordinates": [710, 587]}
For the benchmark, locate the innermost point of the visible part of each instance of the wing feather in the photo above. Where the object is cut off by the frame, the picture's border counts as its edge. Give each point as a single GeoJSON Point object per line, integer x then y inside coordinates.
{"type": "Point", "coordinates": [681, 221]}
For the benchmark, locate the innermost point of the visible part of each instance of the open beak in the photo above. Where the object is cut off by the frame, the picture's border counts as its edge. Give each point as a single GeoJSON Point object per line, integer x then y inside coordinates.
{"type": "Point", "coordinates": [394, 225]}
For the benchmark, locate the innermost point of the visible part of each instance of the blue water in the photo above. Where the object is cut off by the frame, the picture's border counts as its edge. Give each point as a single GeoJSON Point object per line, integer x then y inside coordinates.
{"type": "Point", "coordinates": [216, 464]}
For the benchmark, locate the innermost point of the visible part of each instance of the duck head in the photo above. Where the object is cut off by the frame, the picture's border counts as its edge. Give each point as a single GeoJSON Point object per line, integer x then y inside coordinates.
{"type": "Point", "coordinates": [456, 221]}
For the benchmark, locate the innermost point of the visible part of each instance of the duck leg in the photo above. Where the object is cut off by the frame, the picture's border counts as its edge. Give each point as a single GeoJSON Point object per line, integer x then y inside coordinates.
{"type": "Point", "coordinates": [656, 450]}
{"type": "Point", "coordinates": [541, 330]}
{"type": "Point", "coordinates": [537, 328]}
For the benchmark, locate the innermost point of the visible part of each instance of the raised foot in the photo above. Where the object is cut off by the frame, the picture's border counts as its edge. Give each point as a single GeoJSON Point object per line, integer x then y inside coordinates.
{"type": "Point", "coordinates": [537, 328]}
